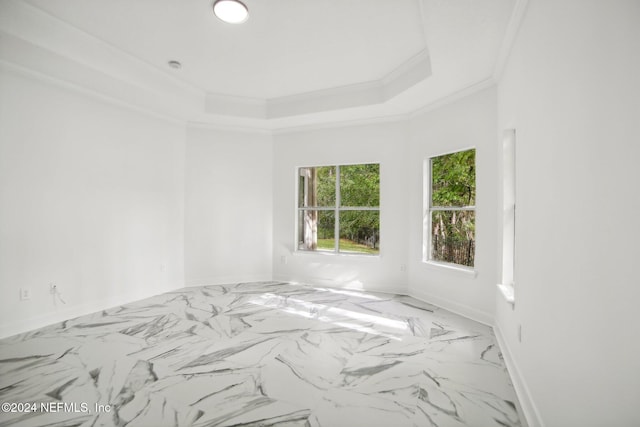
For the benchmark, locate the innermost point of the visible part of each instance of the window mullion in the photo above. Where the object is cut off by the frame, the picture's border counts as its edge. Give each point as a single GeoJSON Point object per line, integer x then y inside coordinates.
{"type": "Point", "coordinates": [336, 231]}
{"type": "Point", "coordinates": [362, 222]}
{"type": "Point", "coordinates": [453, 208]}
{"type": "Point", "coordinates": [454, 241]}
{"type": "Point", "coordinates": [359, 208]}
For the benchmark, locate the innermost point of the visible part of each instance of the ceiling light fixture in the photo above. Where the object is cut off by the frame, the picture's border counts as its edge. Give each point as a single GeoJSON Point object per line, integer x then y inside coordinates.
{"type": "Point", "coordinates": [231, 11]}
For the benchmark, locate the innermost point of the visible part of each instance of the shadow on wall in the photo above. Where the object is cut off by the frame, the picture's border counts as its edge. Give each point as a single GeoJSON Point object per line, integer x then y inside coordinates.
{"type": "Point", "coordinates": [331, 274]}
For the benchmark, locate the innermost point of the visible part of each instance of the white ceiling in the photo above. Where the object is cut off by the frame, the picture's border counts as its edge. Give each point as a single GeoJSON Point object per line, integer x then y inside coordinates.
{"type": "Point", "coordinates": [318, 59]}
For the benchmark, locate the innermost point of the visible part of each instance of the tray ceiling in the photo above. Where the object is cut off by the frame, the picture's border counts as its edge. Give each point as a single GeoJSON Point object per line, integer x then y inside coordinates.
{"type": "Point", "coordinates": [292, 57]}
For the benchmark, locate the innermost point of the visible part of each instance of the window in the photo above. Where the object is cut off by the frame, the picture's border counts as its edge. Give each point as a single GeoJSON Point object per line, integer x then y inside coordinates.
{"type": "Point", "coordinates": [341, 201]}
{"type": "Point", "coordinates": [508, 214]}
{"type": "Point", "coordinates": [451, 213]}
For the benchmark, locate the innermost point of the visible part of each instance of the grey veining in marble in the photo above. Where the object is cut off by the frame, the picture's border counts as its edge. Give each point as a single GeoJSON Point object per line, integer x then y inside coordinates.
{"type": "Point", "coordinates": [259, 354]}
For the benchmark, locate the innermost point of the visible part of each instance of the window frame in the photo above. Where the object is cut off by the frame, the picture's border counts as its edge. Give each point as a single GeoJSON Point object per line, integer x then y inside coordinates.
{"type": "Point", "coordinates": [336, 209]}
{"type": "Point", "coordinates": [429, 208]}
{"type": "Point", "coordinates": [508, 256]}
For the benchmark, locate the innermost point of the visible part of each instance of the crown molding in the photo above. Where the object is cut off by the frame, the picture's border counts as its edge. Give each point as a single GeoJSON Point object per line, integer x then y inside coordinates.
{"type": "Point", "coordinates": [33, 24]}
{"type": "Point", "coordinates": [511, 33]}
{"type": "Point", "coordinates": [237, 106]}
{"type": "Point", "coordinates": [44, 62]}
{"type": "Point", "coordinates": [456, 96]}
{"type": "Point", "coordinates": [66, 73]}
{"type": "Point", "coordinates": [222, 127]}
{"type": "Point", "coordinates": [40, 28]}
{"type": "Point", "coordinates": [139, 86]}
{"type": "Point", "coordinates": [400, 79]}
{"type": "Point", "coordinates": [391, 118]}
{"type": "Point", "coordinates": [337, 98]}
{"type": "Point", "coordinates": [40, 76]}
{"type": "Point", "coordinates": [36, 44]}
{"type": "Point", "coordinates": [403, 77]}
{"type": "Point", "coordinates": [408, 74]}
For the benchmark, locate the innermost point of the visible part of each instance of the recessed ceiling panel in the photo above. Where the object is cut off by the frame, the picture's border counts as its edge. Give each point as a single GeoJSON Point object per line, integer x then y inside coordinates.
{"type": "Point", "coordinates": [292, 63]}
{"type": "Point", "coordinates": [286, 47]}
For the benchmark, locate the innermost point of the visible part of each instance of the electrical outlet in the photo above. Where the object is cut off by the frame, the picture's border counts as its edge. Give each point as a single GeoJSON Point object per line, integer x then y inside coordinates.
{"type": "Point", "coordinates": [519, 333]}
{"type": "Point", "coordinates": [283, 259]}
{"type": "Point", "coordinates": [403, 267]}
{"type": "Point", "coordinates": [25, 294]}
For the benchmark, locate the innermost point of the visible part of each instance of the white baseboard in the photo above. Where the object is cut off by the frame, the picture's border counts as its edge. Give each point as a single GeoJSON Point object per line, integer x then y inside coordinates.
{"type": "Point", "coordinates": [71, 312]}
{"type": "Point", "coordinates": [226, 280]}
{"type": "Point", "coordinates": [334, 284]}
{"type": "Point", "coordinates": [463, 310]}
{"type": "Point", "coordinates": [529, 409]}
{"type": "Point", "coordinates": [454, 307]}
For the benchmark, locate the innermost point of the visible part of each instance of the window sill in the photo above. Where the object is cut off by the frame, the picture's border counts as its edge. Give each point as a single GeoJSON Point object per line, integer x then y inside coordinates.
{"type": "Point", "coordinates": [508, 293]}
{"type": "Point", "coordinates": [337, 254]}
{"type": "Point", "coordinates": [470, 272]}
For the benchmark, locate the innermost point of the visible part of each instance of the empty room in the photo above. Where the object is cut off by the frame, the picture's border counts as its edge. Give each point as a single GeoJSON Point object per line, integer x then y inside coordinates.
{"type": "Point", "coordinates": [319, 213]}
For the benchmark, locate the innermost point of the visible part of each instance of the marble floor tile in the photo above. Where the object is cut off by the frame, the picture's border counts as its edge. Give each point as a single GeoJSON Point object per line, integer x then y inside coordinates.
{"type": "Point", "coordinates": [259, 354]}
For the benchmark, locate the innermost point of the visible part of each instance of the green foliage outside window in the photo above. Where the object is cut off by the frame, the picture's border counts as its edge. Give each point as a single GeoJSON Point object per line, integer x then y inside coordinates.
{"type": "Point", "coordinates": [358, 187]}
{"type": "Point", "coordinates": [453, 195]}
{"type": "Point", "coordinates": [453, 179]}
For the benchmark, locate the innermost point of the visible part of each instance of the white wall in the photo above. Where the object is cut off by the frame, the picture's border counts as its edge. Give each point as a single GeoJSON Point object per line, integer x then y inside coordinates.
{"type": "Point", "coordinates": [90, 199]}
{"type": "Point", "coordinates": [469, 122]}
{"type": "Point", "coordinates": [228, 206]}
{"type": "Point", "coordinates": [571, 91]}
{"type": "Point", "coordinates": [384, 143]}
{"type": "Point", "coordinates": [401, 147]}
